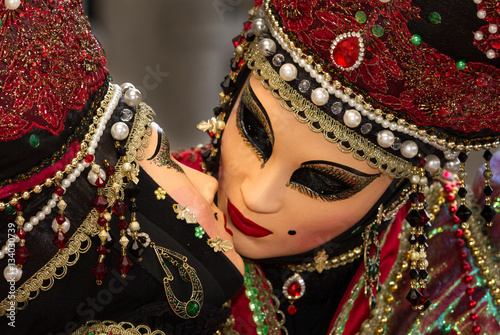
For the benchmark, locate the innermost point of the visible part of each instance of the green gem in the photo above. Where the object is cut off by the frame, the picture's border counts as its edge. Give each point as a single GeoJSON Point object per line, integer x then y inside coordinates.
{"type": "Point", "coordinates": [259, 318]}
{"type": "Point", "coordinates": [461, 64]}
{"type": "Point", "coordinates": [1, 23]}
{"type": "Point", "coordinates": [9, 209]}
{"type": "Point", "coordinates": [373, 301]}
{"type": "Point", "coordinates": [373, 270]}
{"type": "Point", "coordinates": [262, 330]}
{"type": "Point", "coordinates": [254, 305]}
{"type": "Point", "coordinates": [496, 205]}
{"type": "Point", "coordinates": [416, 39]}
{"type": "Point", "coordinates": [199, 232]}
{"type": "Point", "coordinates": [378, 31]}
{"type": "Point", "coordinates": [192, 308]}
{"type": "Point", "coordinates": [34, 141]}
{"type": "Point", "coordinates": [360, 17]}
{"type": "Point", "coordinates": [435, 18]}
{"type": "Point", "coordinates": [446, 329]}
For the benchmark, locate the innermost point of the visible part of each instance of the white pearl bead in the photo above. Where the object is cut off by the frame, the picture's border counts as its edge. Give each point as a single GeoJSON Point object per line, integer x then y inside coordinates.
{"type": "Point", "coordinates": [352, 118]}
{"type": "Point", "coordinates": [16, 239]}
{"type": "Point", "coordinates": [415, 179]}
{"type": "Point", "coordinates": [65, 183]}
{"type": "Point", "coordinates": [491, 54]}
{"type": "Point", "coordinates": [28, 227]}
{"type": "Point", "coordinates": [385, 138]}
{"type": "Point", "coordinates": [12, 273]}
{"type": "Point", "coordinates": [64, 226]}
{"type": "Point", "coordinates": [308, 67]}
{"type": "Point", "coordinates": [71, 178]}
{"type": "Point", "coordinates": [133, 97]}
{"type": "Point", "coordinates": [492, 28]}
{"type": "Point", "coordinates": [385, 1]}
{"type": "Point", "coordinates": [379, 119]}
{"type": "Point", "coordinates": [432, 163]}
{"type": "Point", "coordinates": [134, 226]}
{"type": "Point", "coordinates": [127, 167]}
{"type": "Point", "coordinates": [40, 216]}
{"type": "Point", "coordinates": [320, 96]}
{"type": "Point", "coordinates": [481, 13]}
{"type": "Point", "coordinates": [34, 221]}
{"type": "Point", "coordinates": [477, 2]}
{"type": "Point", "coordinates": [478, 35]}
{"type": "Point", "coordinates": [46, 210]}
{"type": "Point", "coordinates": [259, 26]}
{"type": "Point", "coordinates": [126, 86]}
{"type": "Point", "coordinates": [288, 72]}
{"type": "Point", "coordinates": [91, 151]}
{"type": "Point", "coordinates": [302, 62]}
{"type": "Point", "coordinates": [119, 131]}
{"type": "Point", "coordinates": [393, 126]}
{"type": "Point", "coordinates": [12, 4]}
{"type": "Point", "coordinates": [2, 255]}
{"type": "Point", "coordinates": [409, 149]}
{"type": "Point", "coordinates": [351, 102]}
{"type": "Point", "coordinates": [52, 203]}
{"type": "Point", "coordinates": [267, 47]}
{"type": "Point", "coordinates": [5, 249]}
{"type": "Point", "coordinates": [314, 73]}
{"type": "Point", "coordinates": [92, 176]}
{"type": "Point", "coordinates": [452, 166]}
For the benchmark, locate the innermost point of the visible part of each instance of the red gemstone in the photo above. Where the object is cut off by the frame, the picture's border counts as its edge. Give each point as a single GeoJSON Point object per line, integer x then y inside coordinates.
{"type": "Point", "coordinates": [425, 295]}
{"type": "Point", "coordinates": [60, 239]}
{"type": "Point", "coordinates": [122, 225]}
{"type": "Point", "coordinates": [472, 304]}
{"type": "Point", "coordinates": [60, 219]}
{"type": "Point", "coordinates": [247, 25]}
{"type": "Point", "coordinates": [466, 267]}
{"type": "Point", "coordinates": [18, 207]}
{"type": "Point", "coordinates": [447, 187]}
{"type": "Point", "coordinates": [469, 291]}
{"type": "Point", "coordinates": [99, 182]}
{"type": "Point", "coordinates": [292, 310]}
{"type": "Point", "coordinates": [424, 217]}
{"type": "Point", "coordinates": [110, 170]}
{"type": "Point", "coordinates": [100, 271]}
{"type": "Point", "coordinates": [460, 243]}
{"type": "Point", "coordinates": [476, 329]}
{"type": "Point", "coordinates": [120, 207]}
{"type": "Point", "coordinates": [468, 279]}
{"type": "Point", "coordinates": [100, 203]}
{"type": "Point", "coordinates": [124, 265]}
{"type": "Point", "coordinates": [258, 3]}
{"type": "Point", "coordinates": [59, 191]}
{"type": "Point", "coordinates": [21, 255]}
{"type": "Point", "coordinates": [453, 209]}
{"type": "Point", "coordinates": [473, 316]}
{"type": "Point", "coordinates": [89, 158]}
{"type": "Point", "coordinates": [101, 249]}
{"type": "Point", "coordinates": [101, 221]}
{"type": "Point", "coordinates": [346, 52]}
{"type": "Point", "coordinates": [238, 40]}
{"type": "Point", "coordinates": [21, 233]}
{"type": "Point", "coordinates": [459, 233]}
{"type": "Point", "coordinates": [463, 254]}
{"type": "Point", "coordinates": [450, 197]}
{"type": "Point", "coordinates": [294, 289]}
{"type": "Point", "coordinates": [455, 219]}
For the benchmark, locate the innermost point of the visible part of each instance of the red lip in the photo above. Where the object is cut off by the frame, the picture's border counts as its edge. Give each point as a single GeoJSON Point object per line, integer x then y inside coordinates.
{"type": "Point", "coordinates": [226, 228]}
{"type": "Point", "coordinates": [245, 225]}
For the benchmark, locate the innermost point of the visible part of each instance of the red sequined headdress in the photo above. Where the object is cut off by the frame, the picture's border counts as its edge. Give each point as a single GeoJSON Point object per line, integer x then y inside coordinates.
{"type": "Point", "coordinates": [50, 64]}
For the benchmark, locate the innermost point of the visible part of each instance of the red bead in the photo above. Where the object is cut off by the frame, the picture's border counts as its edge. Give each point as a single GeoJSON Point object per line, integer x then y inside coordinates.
{"type": "Point", "coordinates": [100, 203]}
{"type": "Point", "coordinates": [18, 207]}
{"type": "Point", "coordinates": [89, 158]}
{"type": "Point", "coordinates": [466, 267]}
{"type": "Point", "coordinates": [460, 243]}
{"type": "Point", "coordinates": [59, 191]}
{"type": "Point", "coordinates": [101, 221]}
{"type": "Point", "coordinates": [452, 209]}
{"type": "Point", "coordinates": [463, 254]}
{"type": "Point", "coordinates": [101, 249]}
{"type": "Point", "coordinates": [100, 271]}
{"type": "Point", "coordinates": [346, 52]}
{"type": "Point", "coordinates": [469, 291]}
{"type": "Point", "coordinates": [258, 3]}
{"type": "Point", "coordinates": [60, 239]}
{"type": "Point", "coordinates": [476, 329]}
{"type": "Point", "coordinates": [455, 219]}
{"type": "Point", "coordinates": [459, 233]}
{"type": "Point", "coordinates": [21, 233]}
{"type": "Point", "coordinates": [99, 182]}
{"type": "Point", "coordinates": [110, 170]}
{"type": "Point", "coordinates": [21, 255]}
{"type": "Point", "coordinates": [60, 219]}
{"type": "Point", "coordinates": [122, 225]}
{"type": "Point", "coordinates": [467, 279]}
{"type": "Point", "coordinates": [124, 265]}
{"type": "Point", "coordinates": [294, 289]}
{"type": "Point", "coordinates": [425, 295]}
{"type": "Point", "coordinates": [120, 207]}
{"type": "Point", "coordinates": [473, 316]}
{"type": "Point", "coordinates": [247, 25]}
{"type": "Point", "coordinates": [450, 197]}
{"type": "Point", "coordinates": [238, 40]}
{"type": "Point", "coordinates": [292, 310]}
{"type": "Point", "coordinates": [447, 187]}
{"type": "Point", "coordinates": [472, 304]}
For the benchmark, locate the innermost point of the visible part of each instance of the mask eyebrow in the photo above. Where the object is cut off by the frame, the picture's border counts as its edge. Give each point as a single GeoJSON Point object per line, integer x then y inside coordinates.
{"type": "Point", "coordinates": [346, 168]}
{"type": "Point", "coordinates": [253, 103]}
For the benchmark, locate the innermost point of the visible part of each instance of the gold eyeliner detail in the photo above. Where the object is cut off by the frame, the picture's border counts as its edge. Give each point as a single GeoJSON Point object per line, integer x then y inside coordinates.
{"type": "Point", "coordinates": [352, 182]}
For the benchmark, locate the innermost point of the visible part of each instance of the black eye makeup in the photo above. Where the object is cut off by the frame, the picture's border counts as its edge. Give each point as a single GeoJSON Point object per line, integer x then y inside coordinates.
{"type": "Point", "coordinates": [254, 125]}
{"type": "Point", "coordinates": [329, 181]}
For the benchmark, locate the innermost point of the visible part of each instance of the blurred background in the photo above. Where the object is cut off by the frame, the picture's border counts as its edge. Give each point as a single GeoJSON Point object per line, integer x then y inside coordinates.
{"type": "Point", "coordinates": [176, 52]}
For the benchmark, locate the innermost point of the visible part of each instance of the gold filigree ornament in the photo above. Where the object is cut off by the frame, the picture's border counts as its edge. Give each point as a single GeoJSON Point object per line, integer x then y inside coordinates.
{"type": "Point", "coordinates": [218, 244]}
{"type": "Point", "coordinates": [80, 242]}
{"type": "Point", "coordinates": [191, 308]}
{"type": "Point", "coordinates": [110, 327]}
{"type": "Point", "coordinates": [183, 213]}
{"type": "Point", "coordinates": [333, 131]}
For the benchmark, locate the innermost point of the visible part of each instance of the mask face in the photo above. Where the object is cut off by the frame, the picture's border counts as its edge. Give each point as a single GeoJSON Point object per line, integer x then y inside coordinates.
{"type": "Point", "coordinates": [284, 188]}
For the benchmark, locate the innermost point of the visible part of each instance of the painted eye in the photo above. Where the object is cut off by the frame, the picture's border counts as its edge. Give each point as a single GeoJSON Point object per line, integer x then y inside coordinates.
{"type": "Point", "coordinates": [254, 132]}
{"type": "Point", "coordinates": [328, 182]}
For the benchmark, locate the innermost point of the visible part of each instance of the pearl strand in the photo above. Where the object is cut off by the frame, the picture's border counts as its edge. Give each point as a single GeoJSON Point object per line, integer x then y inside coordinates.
{"type": "Point", "coordinates": [14, 271]}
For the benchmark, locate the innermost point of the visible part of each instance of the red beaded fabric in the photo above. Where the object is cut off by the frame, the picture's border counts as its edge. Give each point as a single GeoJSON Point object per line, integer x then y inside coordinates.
{"type": "Point", "coordinates": [406, 68]}
{"type": "Point", "coordinates": [50, 63]}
